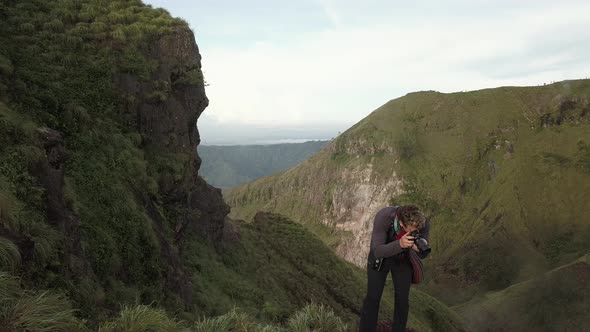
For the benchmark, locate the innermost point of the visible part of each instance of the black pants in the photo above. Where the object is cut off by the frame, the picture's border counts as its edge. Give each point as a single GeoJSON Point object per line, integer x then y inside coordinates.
{"type": "Point", "coordinates": [401, 272]}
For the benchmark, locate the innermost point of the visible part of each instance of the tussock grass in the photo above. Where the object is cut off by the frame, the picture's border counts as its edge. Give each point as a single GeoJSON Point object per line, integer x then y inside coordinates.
{"type": "Point", "coordinates": [10, 257]}
{"type": "Point", "coordinates": [143, 318]}
{"type": "Point", "coordinates": [22, 310]}
{"type": "Point", "coordinates": [235, 320]}
{"type": "Point", "coordinates": [316, 317]}
{"type": "Point", "coordinates": [313, 317]}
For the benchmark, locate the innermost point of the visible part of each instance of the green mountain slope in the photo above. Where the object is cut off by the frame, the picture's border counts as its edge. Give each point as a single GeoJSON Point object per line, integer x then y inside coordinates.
{"type": "Point", "coordinates": [554, 301]}
{"type": "Point", "coordinates": [228, 166]}
{"type": "Point", "coordinates": [502, 172]}
{"type": "Point", "coordinates": [279, 266]}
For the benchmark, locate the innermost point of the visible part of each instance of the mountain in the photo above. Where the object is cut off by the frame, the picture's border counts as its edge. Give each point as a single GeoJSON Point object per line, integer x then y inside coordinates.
{"type": "Point", "coordinates": [102, 210]}
{"type": "Point", "coordinates": [228, 166]}
{"type": "Point", "coordinates": [503, 174]}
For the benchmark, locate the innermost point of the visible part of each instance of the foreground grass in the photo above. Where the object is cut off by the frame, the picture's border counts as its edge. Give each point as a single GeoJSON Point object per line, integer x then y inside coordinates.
{"type": "Point", "coordinates": [23, 310]}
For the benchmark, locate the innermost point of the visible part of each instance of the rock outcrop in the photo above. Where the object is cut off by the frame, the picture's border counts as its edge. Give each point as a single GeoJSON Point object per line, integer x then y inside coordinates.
{"type": "Point", "coordinates": [344, 200]}
{"type": "Point", "coordinates": [165, 109]}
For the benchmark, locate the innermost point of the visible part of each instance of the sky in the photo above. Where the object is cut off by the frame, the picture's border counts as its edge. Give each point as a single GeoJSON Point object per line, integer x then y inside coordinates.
{"type": "Point", "coordinates": [313, 68]}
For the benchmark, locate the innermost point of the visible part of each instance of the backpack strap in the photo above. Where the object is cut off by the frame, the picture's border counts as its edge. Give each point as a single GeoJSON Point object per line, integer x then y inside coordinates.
{"type": "Point", "coordinates": [395, 221]}
{"type": "Point", "coordinates": [393, 227]}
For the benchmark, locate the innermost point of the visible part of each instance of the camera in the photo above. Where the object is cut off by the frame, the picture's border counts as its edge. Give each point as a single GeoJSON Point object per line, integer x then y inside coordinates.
{"type": "Point", "coordinates": [421, 243]}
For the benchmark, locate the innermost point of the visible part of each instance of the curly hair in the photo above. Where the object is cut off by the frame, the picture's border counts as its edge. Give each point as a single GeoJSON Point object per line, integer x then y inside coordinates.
{"type": "Point", "coordinates": [410, 215]}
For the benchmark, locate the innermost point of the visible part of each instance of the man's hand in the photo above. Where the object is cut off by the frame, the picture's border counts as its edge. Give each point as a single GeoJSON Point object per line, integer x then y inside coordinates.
{"type": "Point", "coordinates": [406, 241]}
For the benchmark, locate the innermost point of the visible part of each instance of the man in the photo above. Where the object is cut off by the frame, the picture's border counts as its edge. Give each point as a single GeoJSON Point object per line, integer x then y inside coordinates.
{"type": "Point", "coordinates": [391, 240]}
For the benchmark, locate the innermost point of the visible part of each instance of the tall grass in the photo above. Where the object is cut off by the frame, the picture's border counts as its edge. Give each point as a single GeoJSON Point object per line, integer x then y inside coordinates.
{"type": "Point", "coordinates": [234, 320]}
{"type": "Point", "coordinates": [9, 255]}
{"type": "Point", "coordinates": [22, 310]}
{"type": "Point", "coordinates": [311, 318]}
{"type": "Point", "coordinates": [316, 317]}
{"type": "Point", "coordinates": [143, 318]}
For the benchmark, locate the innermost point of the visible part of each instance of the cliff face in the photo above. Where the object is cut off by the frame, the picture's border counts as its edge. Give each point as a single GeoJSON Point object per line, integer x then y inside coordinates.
{"type": "Point", "coordinates": [166, 109]}
{"type": "Point", "coordinates": [356, 197]}
{"type": "Point", "coordinates": [99, 175]}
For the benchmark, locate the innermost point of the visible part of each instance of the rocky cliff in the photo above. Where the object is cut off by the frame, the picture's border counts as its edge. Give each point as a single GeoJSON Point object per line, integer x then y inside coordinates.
{"type": "Point", "coordinates": [168, 123]}
{"type": "Point", "coordinates": [168, 128]}
{"type": "Point", "coordinates": [98, 165]}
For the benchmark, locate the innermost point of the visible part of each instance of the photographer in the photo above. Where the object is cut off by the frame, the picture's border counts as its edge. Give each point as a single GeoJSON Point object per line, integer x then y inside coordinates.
{"type": "Point", "coordinates": [389, 251]}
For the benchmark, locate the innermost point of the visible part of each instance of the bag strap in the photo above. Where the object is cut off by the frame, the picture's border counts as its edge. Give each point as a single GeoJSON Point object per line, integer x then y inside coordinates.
{"type": "Point", "coordinates": [393, 226]}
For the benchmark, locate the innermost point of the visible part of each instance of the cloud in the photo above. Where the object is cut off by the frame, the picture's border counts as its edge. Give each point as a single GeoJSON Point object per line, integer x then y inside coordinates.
{"type": "Point", "coordinates": [330, 11]}
{"type": "Point", "coordinates": [342, 72]}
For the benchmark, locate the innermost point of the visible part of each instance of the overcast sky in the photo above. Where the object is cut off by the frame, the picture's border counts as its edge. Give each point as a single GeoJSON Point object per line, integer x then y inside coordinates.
{"type": "Point", "coordinates": [323, 64]}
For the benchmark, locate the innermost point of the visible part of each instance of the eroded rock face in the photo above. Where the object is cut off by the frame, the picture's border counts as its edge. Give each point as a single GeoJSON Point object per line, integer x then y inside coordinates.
{"type": "Point", "coordinates": [358, 192]}
{"type": "Point", "coordinates": [49, 169]}
{"type": "Point", "coordinates": [165, 109]}
{"type": "Point", "coordinates": [355, 201]}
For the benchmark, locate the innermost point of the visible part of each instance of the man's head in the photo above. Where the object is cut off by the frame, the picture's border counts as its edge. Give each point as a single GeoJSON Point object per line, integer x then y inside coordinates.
{"type": "Point", "coordinates": [410, 218]}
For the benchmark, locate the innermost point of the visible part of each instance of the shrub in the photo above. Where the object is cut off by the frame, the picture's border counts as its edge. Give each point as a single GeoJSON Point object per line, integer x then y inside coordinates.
{"type": "Point", "coordinates": [6, 208]}
{"type": "Point", "coordinates": [191, 78]}
{"type": "Point", "coordinates": [6, 67]}
{"type": "Point", "coordinates": [583, 156]}
{"type": "Point", "coordinates": [142, 318]}
{"type": "Point", "coordinates": [27, 27]}
{"type": "Point", "coordinates": [317, 318]}
{"type": "Point", "coordinates": [407, 144]}
{"type": "Point", "coordinates": [9, 255]}
{"type": "Point", "coordinates": [54, 25]}
{"type": "Point", "coordinates": [235, 320]}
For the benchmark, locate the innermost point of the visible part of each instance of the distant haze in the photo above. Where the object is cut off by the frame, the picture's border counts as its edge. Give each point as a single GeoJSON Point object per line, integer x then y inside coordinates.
{"type": "Point", "coordinates": [231, 134]}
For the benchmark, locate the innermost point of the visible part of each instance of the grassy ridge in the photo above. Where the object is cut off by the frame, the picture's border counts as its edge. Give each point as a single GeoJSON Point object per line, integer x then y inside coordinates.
{"type": "Point", "coordinates": [553, 301]}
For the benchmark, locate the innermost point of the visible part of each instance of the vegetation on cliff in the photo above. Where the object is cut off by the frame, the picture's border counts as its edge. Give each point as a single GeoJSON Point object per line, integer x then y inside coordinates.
{"type": "Point", "coordinates": [70, 167]}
